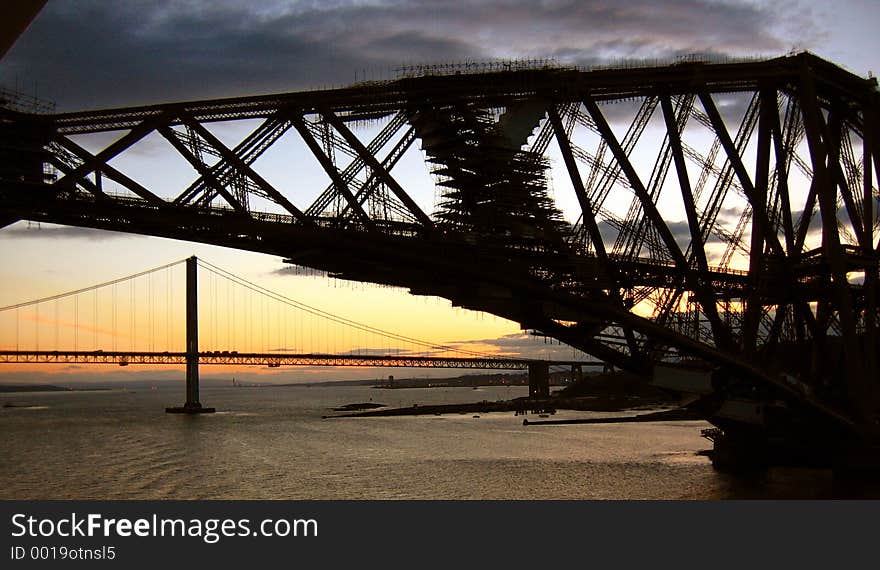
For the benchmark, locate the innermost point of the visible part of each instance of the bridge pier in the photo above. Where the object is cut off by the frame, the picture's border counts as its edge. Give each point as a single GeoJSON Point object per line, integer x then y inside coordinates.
{"type": "Point", "coordinates": [192, 405]}
{"type": "Point", "coordinates": [539, 380]}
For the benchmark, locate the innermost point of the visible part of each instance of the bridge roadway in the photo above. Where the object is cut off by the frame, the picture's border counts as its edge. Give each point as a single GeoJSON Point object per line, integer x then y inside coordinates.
{"type": "Point", "coordinates": [272, 359]}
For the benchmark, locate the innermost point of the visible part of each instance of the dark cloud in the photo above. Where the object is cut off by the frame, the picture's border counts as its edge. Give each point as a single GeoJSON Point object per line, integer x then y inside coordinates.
{"type": "Point", "coordinates": [732, 107]}
{"type": "Point", "coordinates": [93, 53]}
{"type": "Point", "coordinates": [680, 231]}
{"type": "Point", "coordinates": [412, 45]}
{"type": "Point", "coordinates": [51, 231]}
{"type": "Point", "coordinates": [731, 214]}
{"type": "Point", "coordinates": [608, 231]}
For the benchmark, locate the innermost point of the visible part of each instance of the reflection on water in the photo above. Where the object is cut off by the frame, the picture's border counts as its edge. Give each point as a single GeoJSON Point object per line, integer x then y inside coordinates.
{"type": "Point", "coordinates": [271, 443]}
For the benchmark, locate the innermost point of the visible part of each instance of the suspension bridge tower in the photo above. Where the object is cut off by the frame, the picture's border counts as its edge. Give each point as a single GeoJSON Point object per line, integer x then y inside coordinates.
{"type": "Point", "coordinates": [192, 404]}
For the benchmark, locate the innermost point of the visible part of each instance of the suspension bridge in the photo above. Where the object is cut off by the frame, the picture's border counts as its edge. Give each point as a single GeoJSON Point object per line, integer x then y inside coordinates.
{"type": "Point", "coordinates": [100, 325]}
{"type": "Point", "coordinates": [752, 269]}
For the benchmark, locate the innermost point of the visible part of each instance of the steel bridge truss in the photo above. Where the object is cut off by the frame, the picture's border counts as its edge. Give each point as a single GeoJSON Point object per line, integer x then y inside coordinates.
{"type": "Point", "coordinates": [750, 245]}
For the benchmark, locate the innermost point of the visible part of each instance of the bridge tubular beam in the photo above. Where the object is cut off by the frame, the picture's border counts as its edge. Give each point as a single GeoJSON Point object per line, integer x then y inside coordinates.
{"type": "Point", "coordinates": [871, 274]}
{"type": "Point", "coordinates": [369, 187]}
{"type": "Point", "coordinates": [783, 160]}
{"type": "Point", "coordinates": [192, 405]}
{"type": "Point", "coordinates": [753, 306]}
{"type": "Point", "coordinates": [73, 178]}
{"type": "Point", "coordinates": [857, 381]}
{"type": "Point", "coordinates": [707, 297]}
{"type": "Point", "coordinates": [374, 164]}
{"type": "Point", "coordinates": [588, 216]}
{"type": "Point", "coordinates": [100, 161]}
{"type": "Point", "coordinates": [648, 205]}
{"type": "Point", "coordinates": [249, 149]}
{"type": "Point", "coordinates": [331, 170]}
{"type": "Point", "coordinates": [739, 168]}
{"type": "Point", "coordinates": [204, 171]}
{"type": "Point", "coordinates": [242, 167]}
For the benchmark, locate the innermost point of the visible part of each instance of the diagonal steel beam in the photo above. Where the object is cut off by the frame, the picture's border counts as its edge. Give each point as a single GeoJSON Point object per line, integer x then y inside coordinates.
{"type": "Point", "coordinates": [794, 244]}
{"type": "Point", "coordinates": [872, 134]}
{"type": "Point", "coordinates": [833, 252]}
{"type": "Point", "coordinates": [204, 171]}
{"type": "Point", "coordinates": [588, 216]}
{"type": "Point", "coordinates": [348, 173]}
{"type": "Point", "coordinates": [374, 164]}
{"type": "Point", "coordinates": [738, 166]}
{"type": "Point", "coordinates": [330, 169]}
{"type": "Point", "coordinates": [832, 132]}
{"type": "Point", "coordinates": [100, 166]}
{"type": "Point", "coordinates": [754, 308]}
{"type": "Point", "coordinates": [635, 182]}
{"type": "Point", "coordinates": [782, 163]}
{"type": "Point", "coordinates": [249, 149]}
{"type": "Point", "coordinates": [240, 165]}
{"type": "Point", "coordinates": [707, 300]}
{"type": "Point", "coordinates": [869, 115]}
{"type": "Point", "coordinates": [372, 183]}
{"type": "Point", "coordinates": [806, 217]}
{"type": "Point", "coordinates": [92, 162]}
{"type": "Point", "coordinates": [590, 345]}
{"type": "Point", "coordinates": [694, 347]}
{"type": "Point", "coordinates": [587, 212]}
{"type": "Point", "coordinates": [85, 182]}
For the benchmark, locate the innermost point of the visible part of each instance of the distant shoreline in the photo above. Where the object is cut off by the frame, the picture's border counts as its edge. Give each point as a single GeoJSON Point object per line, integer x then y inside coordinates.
{"type": "Point", "coordinates": [19, 388]}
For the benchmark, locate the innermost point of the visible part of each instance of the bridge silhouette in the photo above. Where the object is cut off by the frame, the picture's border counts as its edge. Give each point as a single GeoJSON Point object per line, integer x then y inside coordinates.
{"type": "Point", "coordinates": [753, 268]}
{"type": "Point", "coordinates": [368, 350]}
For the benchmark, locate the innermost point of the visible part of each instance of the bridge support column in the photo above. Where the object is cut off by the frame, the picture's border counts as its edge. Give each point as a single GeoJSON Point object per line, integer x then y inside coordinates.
{"type": "Point", "coordinates": [539, 380]}
{"type": "Point", "coordinates": [192, 405]}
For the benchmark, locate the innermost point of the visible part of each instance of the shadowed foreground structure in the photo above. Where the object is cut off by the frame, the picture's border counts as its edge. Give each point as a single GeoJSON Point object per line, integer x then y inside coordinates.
{"type": "Point", "coordinates": [742, 266]}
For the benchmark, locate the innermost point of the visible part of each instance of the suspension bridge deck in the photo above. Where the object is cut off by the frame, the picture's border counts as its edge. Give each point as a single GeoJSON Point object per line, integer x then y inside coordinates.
{"type": "Point", "coordinates": [271, 360]}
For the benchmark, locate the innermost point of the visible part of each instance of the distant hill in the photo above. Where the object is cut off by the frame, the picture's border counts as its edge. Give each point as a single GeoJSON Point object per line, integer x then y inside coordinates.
{"type": "Point", "coordinates": [32, 388]}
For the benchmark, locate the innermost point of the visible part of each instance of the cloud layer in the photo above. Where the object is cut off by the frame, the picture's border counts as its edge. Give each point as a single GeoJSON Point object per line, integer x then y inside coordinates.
{"type": "Point", "coordinates": [92, 53]}
{"type": "Point", "coordinates": [52, 231]}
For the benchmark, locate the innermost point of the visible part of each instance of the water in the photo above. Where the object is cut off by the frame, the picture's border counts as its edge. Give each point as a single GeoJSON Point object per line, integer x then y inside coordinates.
{"type": "Point", "coordinates": [271, 443]}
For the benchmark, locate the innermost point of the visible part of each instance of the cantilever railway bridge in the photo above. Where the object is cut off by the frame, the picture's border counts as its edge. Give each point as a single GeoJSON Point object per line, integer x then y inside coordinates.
{"type": "Point", "coordinates": [726, 213]}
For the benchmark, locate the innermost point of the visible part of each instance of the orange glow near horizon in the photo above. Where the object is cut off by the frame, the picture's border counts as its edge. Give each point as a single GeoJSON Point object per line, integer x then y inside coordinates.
{"type": "Point", "coordinates": [148, 314]}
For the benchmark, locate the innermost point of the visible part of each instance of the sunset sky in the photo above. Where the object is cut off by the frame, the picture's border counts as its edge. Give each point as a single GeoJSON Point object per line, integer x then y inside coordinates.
{"type": "Point", "coordinates": [93, 54]}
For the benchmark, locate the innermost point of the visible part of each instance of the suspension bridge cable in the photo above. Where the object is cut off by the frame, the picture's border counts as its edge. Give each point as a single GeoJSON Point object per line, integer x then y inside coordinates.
{"type": "Point", "coordinates": [266, 312]}
{"type": "Point", "coordinates": [334, 318]}
{"type": "Point", "coordinates": [337, 319]}
{"type": "Point", "coordinates": [92, 288]}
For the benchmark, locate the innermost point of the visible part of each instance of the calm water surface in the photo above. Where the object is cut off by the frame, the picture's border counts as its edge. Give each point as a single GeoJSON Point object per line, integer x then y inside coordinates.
{"type": "Point", "coordinates": [271, 443]}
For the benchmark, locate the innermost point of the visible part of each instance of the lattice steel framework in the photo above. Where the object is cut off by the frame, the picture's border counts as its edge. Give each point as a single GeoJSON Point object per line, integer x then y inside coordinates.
{"type": "Point", "coordinates": [757, 256]}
